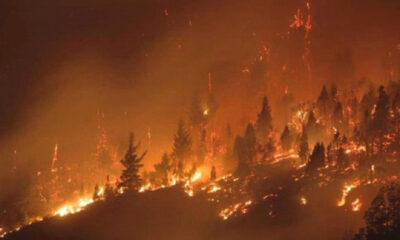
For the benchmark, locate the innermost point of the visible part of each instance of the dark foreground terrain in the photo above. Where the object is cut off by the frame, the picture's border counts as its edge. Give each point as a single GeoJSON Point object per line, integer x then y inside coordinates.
{"type": "Point", "coordinates": [171, 214]}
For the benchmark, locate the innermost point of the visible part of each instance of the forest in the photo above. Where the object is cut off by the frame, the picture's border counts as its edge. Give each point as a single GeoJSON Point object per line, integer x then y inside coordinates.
{"type": "Point", "coordinates": [200, 120]}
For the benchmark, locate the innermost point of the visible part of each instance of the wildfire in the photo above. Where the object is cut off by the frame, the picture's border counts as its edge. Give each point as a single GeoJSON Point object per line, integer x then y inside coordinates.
{"type": "Point", "coordinates": [54, 160]}
{"type": "Point", "coordinates": [346, 190]}
{"type": "Point", "coordinates": [303, 201]}
{"type": "Point", "coordinates": [73, 208]}
{"type": "Point", "coordinates": [356, 205]}
{"type": "Point", "coordinates": [196, 176]}
{"type": "Point", "coordinates": [214, 188]}
{"type": "Point", "coordinates": [235, 208]}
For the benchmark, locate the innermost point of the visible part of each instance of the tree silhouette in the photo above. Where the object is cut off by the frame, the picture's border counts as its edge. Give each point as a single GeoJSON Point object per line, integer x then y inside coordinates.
{"type": "Point", "coordinates": [213, 174]}
{"type": "Point", "coordinates": [212, 105]}
{"type": "Point", "coordinates": [367, 101]}
{"type": "Point", "coordinates": [323, 101]}
{"type": "Point", "coordinates": [317, 158]}
{"type": "Point", "coordinates": [380, 121]}
{"type": "Point", "coordinates": [95, 192]}
{"type": "Point", "coordinates": [264, 121]}
{"type": "Point", "coordinates": [182, 147]}
{"type": "Point", "coordinates": [201, 149]}
{"type": "Point", "coordinates": [130, 179]}
{"type": "Point", "coordinates": [109, 191]}
{"type": "Point", "coordinates": [341, 157]}
{"type": "Point", "coordinates": [243, 168]}
{"type": "Point", "coordinates": [286, 140]}
{"type": "Point", "coordinates": [163, 168]}
{"type": "Point", "coordinates": [250, 144]}
{"type": "Point", "coordinates": [382, 219]}
{"type": "Point", "coordinates": [338, 116]}
{"type": "Point", "coordinates": [196, 115]}
{"type": "Point", "coordinates": [303, 147]}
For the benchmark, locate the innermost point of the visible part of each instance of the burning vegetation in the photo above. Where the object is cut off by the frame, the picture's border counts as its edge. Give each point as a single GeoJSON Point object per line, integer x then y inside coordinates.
{"type": "Point", "coordinates": [253, 155]}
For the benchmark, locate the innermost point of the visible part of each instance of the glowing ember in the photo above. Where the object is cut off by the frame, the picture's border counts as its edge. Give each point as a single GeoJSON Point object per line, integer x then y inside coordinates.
{"type": "Point", "coordinates": [356, 205]}
{"type": "Point", "coordinates": [240, 208]}
{"type": "Point", "coordinates": [214, 188]}
{"type": "Point", "coordinates": [303, 201]}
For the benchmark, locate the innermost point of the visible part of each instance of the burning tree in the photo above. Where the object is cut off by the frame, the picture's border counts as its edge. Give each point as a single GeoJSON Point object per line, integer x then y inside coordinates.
{"type": "Point", "coordinates": [130, 179]}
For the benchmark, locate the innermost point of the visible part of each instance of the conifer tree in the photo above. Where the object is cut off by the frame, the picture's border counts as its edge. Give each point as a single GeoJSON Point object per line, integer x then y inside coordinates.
{"type": "Point", "coordinates": [341, 158]}
{"type": "Point", "coordinates": [268, 149]}
{"type": "Point", "coordinates": [196, 115]}
{"type": "Point", "coordinates": [333, 91]}
{"type": "Point", "coordinates": [201, 150]}
{"type": "Point", "coordinates": [338, 116]}
{"type": "Point", "coordinates": [286, 140]}
{"type": "Point", "coordinates": [367, 101]}
{"type": "Point", "coordinates": [109, 191]}
{"type": "Point", "coordinates": [130, 179]}
{"type": "Point", "coordinates": [382, 219]}
{"type": "Point", "coordinates": [317, 158]}
{"type": "Point", "coordinates": [96, 191]}
{"type": "Point", "coordinates": [243, 168]}
{"type": "Point", "coordinates": [213, 174]}
{"type": "Point", "coordinates": [163, 168]}
{"type": "Point", "coordinates": [323, 101]}
{"type": "Point", "coordinates": [311, 121]}
{"type": "Point", "coordinates": [354, 106]}
{"type": "Point", "coordinates": [381, 121]}
{"type": "Point", "coordinates": [182, 147]}
{"type": "Point", "coordinates": [249, 144]}
{"type": "Point", "coordinates": [264, 121]}
{"type": "Point", "coordinates": [303, 147]}
{"type": "Point", "coordinates": [212, 105]}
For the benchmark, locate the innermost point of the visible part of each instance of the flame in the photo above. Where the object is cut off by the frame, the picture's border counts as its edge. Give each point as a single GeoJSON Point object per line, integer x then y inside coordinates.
{"type": "Point", "coordinates": [240, 207]}
{"type": "Point", "coordinates": [214, 188]}
{"type": "Point", "coordinates": [54, 160]}
{"type": "Point", "coordinates": [303, 201]}
{"type": "Point", "coordinates": [346, 190]}
{"type": "Point", "coordinates": [73, 208]}
{"type": "Point", "coordinates": [356, 205]}
{"type": "Point", "coordinates": [145, 187]}
{"type": "Point", "coordinates": [196, 176]}
{"type": "Point", "coordinates": [101, 191]}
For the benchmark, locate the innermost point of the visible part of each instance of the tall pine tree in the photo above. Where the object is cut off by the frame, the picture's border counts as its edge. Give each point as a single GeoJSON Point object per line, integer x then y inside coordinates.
{"type": "Point", "coordinates": [286, 139]}
{"type": "Point", "coordinates": [264, 121]}
{"type": "Point", "coordinates": [303, 146]}
{"type": "Point", "coordinates": [130, 179]}
{"type": "Point", "coordinates": [182, 147]}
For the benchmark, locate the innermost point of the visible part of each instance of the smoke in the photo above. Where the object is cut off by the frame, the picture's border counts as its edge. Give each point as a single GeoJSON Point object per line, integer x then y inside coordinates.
{"type": "Point", "coordinates": [140, 62]}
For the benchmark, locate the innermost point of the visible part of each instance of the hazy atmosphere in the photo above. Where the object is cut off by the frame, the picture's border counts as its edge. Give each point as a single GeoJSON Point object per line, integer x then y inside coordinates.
{"type": "Point", "coordinates": [194, 81]}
